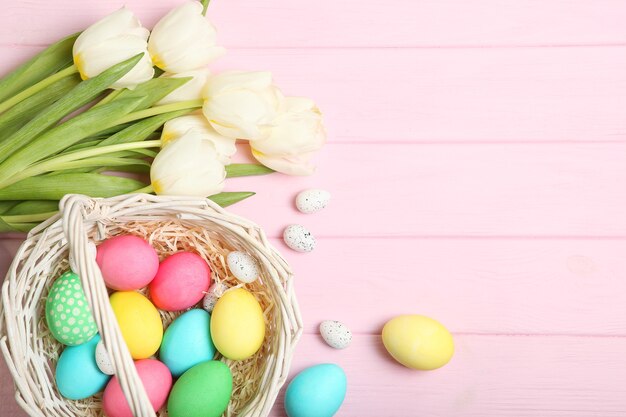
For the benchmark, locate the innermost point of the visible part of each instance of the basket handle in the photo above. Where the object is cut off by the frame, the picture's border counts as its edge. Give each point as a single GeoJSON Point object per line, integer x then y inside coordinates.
{"type": "Point", "coordinates": [75, 210]}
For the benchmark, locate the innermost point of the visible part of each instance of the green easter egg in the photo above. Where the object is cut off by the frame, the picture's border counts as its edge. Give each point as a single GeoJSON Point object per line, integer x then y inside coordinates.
{"type": "Point", "coordinates": [67, 312]}
{"type": "Point", "coordinates": [202, 391]}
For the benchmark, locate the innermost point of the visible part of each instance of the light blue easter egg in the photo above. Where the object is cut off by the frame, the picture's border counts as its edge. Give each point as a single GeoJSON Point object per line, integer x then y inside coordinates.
{"type": "Point", "coordinates": [317, 391]}
{"type": "Point", "coordinates": [187, 342]}
{"type": "Point", "coordinates": [77, 373]}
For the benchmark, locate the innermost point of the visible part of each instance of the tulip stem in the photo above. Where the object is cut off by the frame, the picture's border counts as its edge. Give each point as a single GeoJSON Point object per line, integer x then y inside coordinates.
{"type": "Point", "coordinates": [28, 218]}
{"type": "Point", "coordinates": [55, 163]}
{"type": "Point", "coordinates": [145, 190]}
{"type": "Point", "coordinates": [142, 114]}
{"type": "Point", "coordinates": [23, 95]}
{"type": "Point", "coordinates": [205, 6]}
{"type": "Point", "coordinates": [109, 98]}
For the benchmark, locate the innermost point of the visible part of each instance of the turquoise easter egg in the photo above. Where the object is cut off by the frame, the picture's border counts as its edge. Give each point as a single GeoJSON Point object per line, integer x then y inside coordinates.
{"type": "Point", "coordinates": [68, 314]}
{"type": "Point", "coordinates": [77, 374]}
{"type": "Point", "coordinates": [187, 342]}
{"type": "Point", "coordinates": [317, 391]}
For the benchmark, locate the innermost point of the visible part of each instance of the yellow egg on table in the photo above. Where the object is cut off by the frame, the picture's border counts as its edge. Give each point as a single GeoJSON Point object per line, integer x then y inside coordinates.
{"type": "Point", "coordinates": [139, 322]}
{"type": "Point", "coordinates": [418, 342]}
{"type": "Point", "coordinates": [237, 324]}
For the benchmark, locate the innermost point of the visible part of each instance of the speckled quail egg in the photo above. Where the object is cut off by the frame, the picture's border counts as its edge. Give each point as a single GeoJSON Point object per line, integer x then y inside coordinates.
{"type": "Point", "coordinates": [103, 360]}
{"type": "Point", "coordinates": [335, 334]}
{"type": "Point", "coordinates": [298, 238]}
{"type": "Point", "coordinates": [243, 266]}
{"type": "Point", "coordinates": [312, 200]}
{"type": "Point", "coordinates": [213, 294]}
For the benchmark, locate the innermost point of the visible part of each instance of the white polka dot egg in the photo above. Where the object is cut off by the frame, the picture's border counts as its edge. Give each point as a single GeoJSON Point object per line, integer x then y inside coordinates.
{"type": "Point", "coordinates": [313, 200]}
{"type": "Point", "coordinates": [298, 238]}
{"type": "Point", "coordinates": [243, 266]}
{"type": "Point", "coordinates": [336, 334]}
{"type": "Point", "coordinates": [103, 360]}
{"type": "Point", "coordinates": [67, 312]}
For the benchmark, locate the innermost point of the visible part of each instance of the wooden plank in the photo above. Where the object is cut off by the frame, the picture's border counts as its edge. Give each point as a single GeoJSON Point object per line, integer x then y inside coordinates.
{"type": "Point", "coordinates": [444, 95]}
{"type": "Point", "coordinates": [473, 286]}
{"type": "Point", "coordinates": [490, 375]}
{"type": "Point", "coordinates": [351, 23]}
{"type": "Point", "coordinates": [492, 191]}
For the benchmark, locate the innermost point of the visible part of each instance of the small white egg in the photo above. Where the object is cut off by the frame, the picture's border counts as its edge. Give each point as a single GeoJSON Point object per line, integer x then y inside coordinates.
{"type": "Point", "coordinates": [213, 294]}
{"type": "Point", "coordinates": [298, 238]}
{"type": "Point", "coordinates": [243, 266]}
{"type": "Point", "coordinates": [335, 334]}
{"type": "Point", "coordinates": [310, 201]}
{"type": "Point", "coordinates": [103, 360]}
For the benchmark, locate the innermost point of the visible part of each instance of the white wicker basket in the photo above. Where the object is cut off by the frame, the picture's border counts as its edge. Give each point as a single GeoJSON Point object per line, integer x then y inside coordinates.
{"type": "Point", "coordinates": [68, 239]}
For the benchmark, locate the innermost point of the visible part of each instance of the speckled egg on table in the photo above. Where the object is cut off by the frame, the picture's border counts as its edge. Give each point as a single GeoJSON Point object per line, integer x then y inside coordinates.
{"type": "Point", "coordinates": [312, 200]}
{"type": "Point", "coordinates": [68, 314]}
{"type": "Point", "coordinates": [298, 238]}
{"type": "Point", "coordinates": [127, 262]}
{"type": "Point", "coordinates": [243, 266]}
{"type": "Point", "coordinates": [335, 334]}
{"type": "Point", "coordinates": [181, 282]}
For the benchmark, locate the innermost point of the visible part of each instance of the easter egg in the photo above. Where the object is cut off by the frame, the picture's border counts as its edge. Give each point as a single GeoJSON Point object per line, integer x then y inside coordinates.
{"type": "Point", "coordinates": [418, 342]}
{"type": "Point", "coordinates": [77, 375]}
{"type": "Point", "coordinates": [181, 281]}
{"type": "Point", "coordinates": [317, 391]}
{"type": "Point", "coordinates": [335, 334]}
{"type": "Point", "coordinates": [68, 314]}
{"type": "Point", "coordinates": [243, 266]}
{"type": "Point", "coordinates": [202, 391]}
{"type": "Point", "coordinates": [213, 294]}
{"type": "Point", "coordinates": [187, 342]}
{"type": "Point", "coordinates": [139, 322]}
{"type": "Point", "coordinates": [127, 262]}
{"type": "Point", "coordinates": [156, 379]}
{"type": "Point", "coordinates": [298, 238]}
{"type": "Point", "coordinates": [313, 200]}
{"type": "Point", "coordinates": [237, 324]}
{"type": "Point", "coordinates": [103, 360]}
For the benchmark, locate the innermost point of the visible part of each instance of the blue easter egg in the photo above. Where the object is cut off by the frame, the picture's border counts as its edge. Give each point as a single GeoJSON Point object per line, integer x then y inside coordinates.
{"type": "Point", "coordinates": [317, 391]}
{"type": "Point", "coordinates": [77, 374]}
{"type": "Point", "coordinates": [187, 342]}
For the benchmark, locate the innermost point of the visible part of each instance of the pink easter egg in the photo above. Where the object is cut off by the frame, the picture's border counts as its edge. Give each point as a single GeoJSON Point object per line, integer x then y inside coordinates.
{"type": "Point", "coordinates": [127, 262]}
{"type": "Point", "coordinates": [181, 281]}
{"type": "Point", "coordinates": [156, 379]}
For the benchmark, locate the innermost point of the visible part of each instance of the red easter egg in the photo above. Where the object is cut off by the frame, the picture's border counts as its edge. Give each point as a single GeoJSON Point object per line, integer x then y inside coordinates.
{"type": "Point", "coordinates": [181, 282]}
{"type": "Point", "coordinates": [127, 262]}
{"type": "Point", "coordinates": [156, 379]}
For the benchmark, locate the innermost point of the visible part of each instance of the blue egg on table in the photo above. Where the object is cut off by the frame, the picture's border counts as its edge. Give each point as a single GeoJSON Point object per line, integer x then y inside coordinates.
{"type": "Point", "coordinates": [187, 342]}
{"type": "Point", "coordinates": [317, 391]}
{"type": "Point", "coordinates": [77, 374]}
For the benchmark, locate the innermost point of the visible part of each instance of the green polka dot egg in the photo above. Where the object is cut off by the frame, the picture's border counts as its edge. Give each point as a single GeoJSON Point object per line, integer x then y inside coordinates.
{"type": "Point", "coordinates": [67, 311]}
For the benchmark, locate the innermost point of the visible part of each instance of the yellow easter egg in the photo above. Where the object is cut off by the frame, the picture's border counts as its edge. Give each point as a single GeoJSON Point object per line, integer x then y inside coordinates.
{"type": "Point", "coordinates": [418, 342]}
{"type": "Point", "coordinates": [237, 324]}
{"type": "Point", "coordinates": [139, 322]}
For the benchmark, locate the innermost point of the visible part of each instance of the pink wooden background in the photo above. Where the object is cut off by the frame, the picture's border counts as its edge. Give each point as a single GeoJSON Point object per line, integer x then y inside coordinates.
{"type": "Point", "coordinates": [477, 159]}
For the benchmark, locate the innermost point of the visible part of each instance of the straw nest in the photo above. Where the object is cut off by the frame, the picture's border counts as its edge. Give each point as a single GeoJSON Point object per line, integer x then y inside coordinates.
{"type": "Point", "coordinates": [170, 224]}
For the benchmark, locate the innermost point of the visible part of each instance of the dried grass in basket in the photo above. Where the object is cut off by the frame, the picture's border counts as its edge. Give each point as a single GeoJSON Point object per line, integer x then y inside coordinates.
{"type": "Point", "coordinates": [170, 224]}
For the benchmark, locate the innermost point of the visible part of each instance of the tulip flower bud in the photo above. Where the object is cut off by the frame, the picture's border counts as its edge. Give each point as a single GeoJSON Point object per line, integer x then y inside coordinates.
{"type": "Point", "coordinates": [116, 38]}
{"type": "Point", "coordinates": [180, 126]}
{"type": "Point", "coordinates": [191, 90]}
{"type": "Point", "coordinates": [242, 105]}
{"type": "Point", "coordinates": [184, 40]}
{"type": "Point", "coordinates": [188, 166]}
{"type": "Point", "coordinates": [298, 133]}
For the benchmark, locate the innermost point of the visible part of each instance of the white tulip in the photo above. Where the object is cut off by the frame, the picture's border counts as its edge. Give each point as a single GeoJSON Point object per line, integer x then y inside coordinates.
{"type": "Point", "coordinates": [191, 90]}
{"type": "Point", "coordinates": [180, 126]}
{"type": "Point", "coordinates": [242, 104]}
{"type": "Point", "coordinates": [188, 166]}
{"type": "Point", "coordinates": [184, 40]}
{"type": "Point", "coordinates": [299, 132]}
{"type": "Point", "coordinates": [116, 38]}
